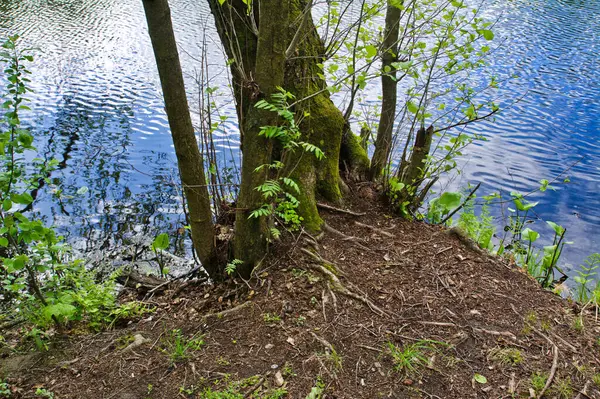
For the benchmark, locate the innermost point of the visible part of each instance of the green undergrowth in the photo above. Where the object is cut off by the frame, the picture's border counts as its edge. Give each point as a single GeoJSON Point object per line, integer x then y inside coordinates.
{"type": "Point", "coordinates": [254, 387]}
{"type": "Point", "coordinates": [517, 239]}
{"type": "Point", "coordinates": [40, 280]}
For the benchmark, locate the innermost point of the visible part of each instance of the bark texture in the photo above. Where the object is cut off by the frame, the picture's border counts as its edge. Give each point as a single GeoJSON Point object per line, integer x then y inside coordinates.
{"type": "Point", "coordinates": [412, 171]}
{"type": "Point", "coordinates": [189, 158]}
{"type": "Point", "coordinates": [250, 240]}
{"type": "Point", "coordinates": [322, 122]}
{"type": "Point", "coordinates": [389, 92]}
{"type": "Point", "coordinates": [260, 37]}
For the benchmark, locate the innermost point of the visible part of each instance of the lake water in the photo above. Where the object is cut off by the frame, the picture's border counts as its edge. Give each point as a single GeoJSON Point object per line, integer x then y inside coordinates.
{"type": "Point", "coordinates": [98, 109]}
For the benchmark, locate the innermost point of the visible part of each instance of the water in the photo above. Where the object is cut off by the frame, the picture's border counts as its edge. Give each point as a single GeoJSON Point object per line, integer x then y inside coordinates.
{"type": "Point", "coordinates": [98, 109]}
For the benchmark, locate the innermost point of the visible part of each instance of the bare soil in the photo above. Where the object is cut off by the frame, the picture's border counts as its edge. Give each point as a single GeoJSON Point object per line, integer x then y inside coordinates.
{"type": "Point", "coordinates": [332, 309]}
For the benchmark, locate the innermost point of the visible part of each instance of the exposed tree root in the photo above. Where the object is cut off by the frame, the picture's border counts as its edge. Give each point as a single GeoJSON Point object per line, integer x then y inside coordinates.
{"type": "Point", "coordinates": [332, 267]}
{"type": "Point", "coordinates": [338, 286]}
{"type": "Point", "coordinates": [375, 229]}
{"type": "Point", "coordinates": [226, 312]}
{"type": "Point", "coordinates": [340, 210]}
{"type": "Point", "coordinates": [355, 240]}
{"type": "Point", "coordinates": [507, 334]}
{"type": "Point", "coordinates": [333, 297]}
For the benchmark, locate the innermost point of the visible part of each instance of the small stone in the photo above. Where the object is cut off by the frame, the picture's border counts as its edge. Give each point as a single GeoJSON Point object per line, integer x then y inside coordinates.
{"type": "Point", "coordinates": [475, 312]}
{"type": "Point", "coordinates": [486, 389]}
{"type": "Point", "coordinates": [291, 341]}
{"type": "Point", "coordinates": [279, 379]}
{"type": "Point", "coordinates": [274, 366]}
{"type": "Point", "coordinates": [407, 381]}
{"type": "Point", "coordinates": [362, 382]}
{"type": "Point", "coordinates": [269, 346]}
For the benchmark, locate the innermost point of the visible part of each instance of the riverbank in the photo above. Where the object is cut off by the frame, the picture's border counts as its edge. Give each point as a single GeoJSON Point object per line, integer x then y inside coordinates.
{"type": "Point", "coordinates": [376, 307]}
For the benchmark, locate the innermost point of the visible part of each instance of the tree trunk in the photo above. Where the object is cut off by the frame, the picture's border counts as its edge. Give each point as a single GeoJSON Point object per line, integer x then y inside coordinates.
{"type": "Point", "coordinates": [412, 173]}
{"type": "Point", "coordinates": [239, 36]}
{"type": "Point", "coordinates": [189, 158]}
{"type": "Point", "coordinates": [322, 122]}
{"type": "Point", "coordinates": [383, 142]}
{"type": "Point", "coordinates": [251, 233]}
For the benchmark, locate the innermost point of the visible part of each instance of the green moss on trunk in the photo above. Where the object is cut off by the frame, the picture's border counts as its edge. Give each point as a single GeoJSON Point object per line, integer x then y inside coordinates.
{"type": "Point", "coordinates": [322, 122]}
{"type": "Point", "coordinates": [250, 242]}
{"type": "Point", "coordinates": [189, 158]}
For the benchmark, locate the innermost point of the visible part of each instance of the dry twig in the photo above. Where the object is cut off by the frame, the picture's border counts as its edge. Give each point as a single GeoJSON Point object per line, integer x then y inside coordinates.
{"type": "Point", "coordinates": [375, 229]}
{"type": "Point", "coordinates": [552, 372]}
{"type": "Point", "coordinates": [334, 209]}
{"type": "Point", "coordinates": [225, 312]}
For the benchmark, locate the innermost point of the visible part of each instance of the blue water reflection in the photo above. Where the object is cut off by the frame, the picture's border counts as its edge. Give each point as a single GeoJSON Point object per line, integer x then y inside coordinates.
{"type": "Point", "coordinates": [98, 109]}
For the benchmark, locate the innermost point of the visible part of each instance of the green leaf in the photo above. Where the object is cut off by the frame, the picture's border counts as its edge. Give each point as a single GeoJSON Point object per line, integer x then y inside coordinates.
{"type": "Point", "coordinates": [559, 230]}
{"type": "Point", "coordinates": [371, 51]}
{"type": "Point", "coordinates": [450, 200]}
{"type": "Point", "coordinates": [487, 34]}
{"type": "Point", "coordinates": [161, 242]}
{"type": "Point", "coordinates": [19, 262]}
{"type": "Point", "coordinates": [3, 242]}
{"type": "Point", "coordinates": [530, 235]}
{"type": "Point", "coordinates": [23, 199]}
{"type": "Point", "coordinates": [412, 107]}
{"type": "Point", "coordinates": [524, 205]}
{"type": "Point", "coordinates": [480, 378]}
{"type": "Point", "coordinates": [6, 204]}
{"type": "Point", "coordinates": [292, 184]}
{"type": "Point", "coordinates": [59, 310]}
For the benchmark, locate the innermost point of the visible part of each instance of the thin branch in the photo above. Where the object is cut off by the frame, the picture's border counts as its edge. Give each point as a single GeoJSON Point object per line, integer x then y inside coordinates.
{"type": "Point", "coordinates": [466, 122]}
{"type": "Point", "coordinates": [292, 47]}
{"type": "Point", "coordinates": [334, 209]}
{"type": "Point", "coordinates": [461, 205]}
{"type": "Point", "coordinates": [552, 372]}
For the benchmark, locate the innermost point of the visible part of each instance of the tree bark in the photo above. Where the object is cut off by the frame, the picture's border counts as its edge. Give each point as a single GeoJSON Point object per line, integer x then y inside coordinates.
{"type": "Point", "coordinates": [251, 233]}
{"type": "Point", "coordinates": [239, 36]}
{"type": "Point", "coordinates": [189, 158]}
{"type": "Point", "coordinates": [383, 142]}
{"type": "Point", "coordinates": [322, 122]}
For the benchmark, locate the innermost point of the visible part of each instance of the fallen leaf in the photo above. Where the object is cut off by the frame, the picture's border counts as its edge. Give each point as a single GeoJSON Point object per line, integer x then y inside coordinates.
{"type": "Point", "coordinates": [480, 378]}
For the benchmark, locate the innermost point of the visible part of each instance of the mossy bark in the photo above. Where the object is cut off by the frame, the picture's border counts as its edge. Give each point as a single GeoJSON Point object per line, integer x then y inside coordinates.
{"type": "Point", "coordinates": [411, 171]}
{"type": "Point", "coordinates": [251, 232]}
{"type": "Point", "coordinates": [353, 155]}
{"type": "Point", "coordinates": [323, 125]}
{"type": "Point", "coordinates": [321, 122]}
{"type": "Point", "coordinates": [189, 158]}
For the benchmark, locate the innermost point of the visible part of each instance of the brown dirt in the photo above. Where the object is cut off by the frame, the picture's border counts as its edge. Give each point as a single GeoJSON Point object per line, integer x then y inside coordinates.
{"type": "Point", "coordinates": [429, 285]}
